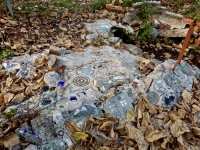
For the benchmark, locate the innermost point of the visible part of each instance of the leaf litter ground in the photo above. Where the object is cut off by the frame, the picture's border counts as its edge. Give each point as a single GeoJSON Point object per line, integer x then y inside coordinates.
{"type": "Point", "coordinates": [146, 126]}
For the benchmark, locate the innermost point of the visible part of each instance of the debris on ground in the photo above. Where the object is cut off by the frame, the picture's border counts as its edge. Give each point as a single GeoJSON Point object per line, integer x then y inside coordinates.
{"type": "Point", "coordinates": [78, 93]}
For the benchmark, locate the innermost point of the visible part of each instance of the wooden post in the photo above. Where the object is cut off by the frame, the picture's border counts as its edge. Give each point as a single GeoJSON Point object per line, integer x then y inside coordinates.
{"type": "Point", "coordinates": [185, 44]}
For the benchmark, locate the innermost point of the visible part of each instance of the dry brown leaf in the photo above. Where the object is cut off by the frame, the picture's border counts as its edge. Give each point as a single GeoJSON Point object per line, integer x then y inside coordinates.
{"type": "Point", "coordinates": [35, 87]}
{"type": "Point", "coordinates": [72, 126]}
{"type": "Point", "coordinates": [23, 30]}
{"type": "Point", "coordinates": [130, 115]}
{"type": "Point", "coordinates": [154, 146]}
{"type": "Point", "coordinates": [9, 81]}
{"type": "Point", "coordinates": [139, 108]}
{"type": "Point", "coordinates": [184, 142]}
{"type": "Point", "coordinates": [196, 130]}
{"type": "Point", "coordinates": [10, 140]}
{"type": "Point", "coordinates": [144, 61]}
{"type": "Point", "coordinates": [146, 119]}
{"type": "Point", "coordinates": [1, 97]}
{"type": "Point", "coordinates": [7, 44]}
{"type": "Point", "coordinates": [112, 134]}
{"type": "Point", "coordinates": [187, 96]}
{"type": "Point", "coordinates": [103, 148]}
{"type": "Point", "coordinates": [101, 138]}
{"type": "Point", "coordinates": [8, 97]}
{"type": "Point", "coordinates": [167, 55]}
{"type": "Point", "coordinates": [135, 134]}
{"type": "Point", "coordinates": [17, 45]}
{"type": "Point", "coordinates": [173, 117]}
{"type": "Point", "coordinates": [99, 121]}
{"type": "Point", "coordinates": [181, 113]}
{"type": "Point", "coordinates": [195, 108]}
{"type": "Point", "coordinates": [64, 14]}
{"type": "Point", "coordinates": [152, 108]}
{"type": "Point", "coordinates": [155, 135]}
{"type": "Point", "coordinates": [178, 128]}
{"type": "Point", "coordinates": [12, 22]}
{"type": "Point", "coordinates": [41, 61]}
{"type": "Point", "coordinates": [121, 128]}
{"type": "Point", "coordinates": [2, 72]}
{"type": "Point", "coordinates": [3, 21]}
{"type": "Point", "coordinates": [18, 98]}
{"type": "Point", "coordinates": [68, 44]}
{"type": "Point", "coordinates": [53, 14]}
{"type": "Point", "coordinates": [107, 126]}
{"type": "Point", "coordinates": [15, 88]}
{"type": "Point", "coordinates": [63, 29]}
{"type": "Point", "coordinates": [83, 36]}
{"type": "Point", "coordinates": [79, 136]}
{"type": "Point", "coordinates": [107, 96]}
{"type": "Point", "coordinates": [164, 143]}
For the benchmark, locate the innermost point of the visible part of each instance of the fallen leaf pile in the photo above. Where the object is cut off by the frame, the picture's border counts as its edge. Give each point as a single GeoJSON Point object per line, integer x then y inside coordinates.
{"type": "Point", "coordinates": [145, 66]}
{"type": "Point", "coordinates": [147, 127]}
{"type": "Point", "coordinates": [35, 33]}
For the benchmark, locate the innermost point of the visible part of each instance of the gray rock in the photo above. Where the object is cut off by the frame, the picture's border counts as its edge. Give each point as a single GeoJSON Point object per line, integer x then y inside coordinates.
{"type": "Point", "coordinates": [92, 36]}
{"type": "Point", "coordinates": [113, 39]}
{"type": "Point", "coordinates": [174, 23]}
{"type": "Point", "coordinates": [133, 49]}
{"type": "Point", "coordinates": [173, 33]}
{"type": "Point", "coordinates": [51, 78]}
{"type": "Point", "coordinates": [52, 60]}
{"type": "Point", "coordinates": [154, 34]}
{"type": "Point", "coordinates": [17, 147]}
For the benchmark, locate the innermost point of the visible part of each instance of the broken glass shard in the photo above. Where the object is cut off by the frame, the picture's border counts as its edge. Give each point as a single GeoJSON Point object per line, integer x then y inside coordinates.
{"type": "Point", "coordinates": [61, 83]}
{"type": "Point", "coordinates": [46, 102]}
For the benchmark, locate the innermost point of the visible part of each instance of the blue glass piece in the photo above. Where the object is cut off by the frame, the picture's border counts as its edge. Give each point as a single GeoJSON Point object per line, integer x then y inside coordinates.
{"type": "Point", "coordinates": [25, 131]}
{"type": "Point", "coordinates": [10, 58]}
{"type": "Point", "coordinates": [61, 83]}
{"type": "Point", "coordinates": [46, 88]}
{"type": "Point", "coordinates": [73, 98]}
{"type": "Point", "coordinates": [71, 89]}
{"type": "Point", "coordinates": [46, 102]}
{"type": "Point", "coordinates": [84, 93]}
{"type": "Point", "coordinates": [31, 132]}
{"type": "Point", "coordinates": [86, 71]}
{"type": "Point", "coordinates": [54, 95]}
{"type": "Point", "coordinates": [119, 97]}
{"type": "Point", "coordinates": [176, 73]}
{"type": "Point", "coordinates": [16, 103]}
{"type": "Point", "coordinates": [65, 63]}
{"type": "Point", "coordinates": [167, 100]}
{"type": "Point", "coordinates": [172, 98]}
{"type": "Point", "coordinates": [22, 72]}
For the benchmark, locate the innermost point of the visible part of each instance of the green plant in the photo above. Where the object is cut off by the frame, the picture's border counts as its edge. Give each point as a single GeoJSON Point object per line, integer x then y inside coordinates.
{"type": "Point", "coordinates": [197, 17]}
{"type": "Point", "coordinates": [127, 3]}
{"type": "Point", "coordinates": [6, 54]}
{"type": "Point", "coordinates": [99, 4]}
{"type": "Point", "coordinates": [193, 10]}
{"type": "Point", "coordinates": [42, 9]}
{"type": "Point", "coordinates": [11, 113]}
{"type": "Point", "coordinates": [146, 27]}
{"type": "Point", "coordinates": [97, 42]}
{"type": "Point", "coordinates": [70, 5]}
{"type": "Point", "coordinates": [64, 3]}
